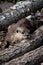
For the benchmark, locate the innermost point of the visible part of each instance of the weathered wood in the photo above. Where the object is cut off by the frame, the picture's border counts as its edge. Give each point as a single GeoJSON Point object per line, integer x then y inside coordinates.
{"type": "Point", "coordinates": [5, 5]}
{"type": "Point", "coordinates": [23, 47]}
{"type": "Point", "coordinates": [30, 58]}
{"type": "Point", "coordinates": [18, 11]}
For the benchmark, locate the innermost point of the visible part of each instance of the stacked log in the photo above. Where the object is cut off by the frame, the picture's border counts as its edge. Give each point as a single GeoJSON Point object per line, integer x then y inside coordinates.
{"type": "Point", "coordinates": [22, 41]}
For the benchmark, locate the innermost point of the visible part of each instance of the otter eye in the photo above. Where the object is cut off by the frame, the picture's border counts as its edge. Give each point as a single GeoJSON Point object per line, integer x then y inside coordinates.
{"type": "Point", "coordinates": [22, 32]}
{"type": "Point", "coordinates": [17, 31]}
{"type": "Point", "coordinates": [14, 42]}
{"type": "Point", "coordinates": [0, 46]}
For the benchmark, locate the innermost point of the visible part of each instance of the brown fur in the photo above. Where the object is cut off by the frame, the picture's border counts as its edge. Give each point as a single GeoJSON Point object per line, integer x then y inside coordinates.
{"type": "Point", "coordinates": [17, 32]}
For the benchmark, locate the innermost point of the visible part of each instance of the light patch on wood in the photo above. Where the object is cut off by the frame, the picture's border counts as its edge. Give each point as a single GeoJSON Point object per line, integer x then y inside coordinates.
{"type": "Point", "coordinates": [2, 17]}
{"type": "Point", "coordinates": [28, 17]}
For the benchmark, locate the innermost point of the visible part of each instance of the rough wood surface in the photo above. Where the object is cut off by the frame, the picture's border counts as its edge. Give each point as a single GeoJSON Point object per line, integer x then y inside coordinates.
{"type": "Point", "coordinates": [5, 5]}
{"type": "Point", "coordinates": [30, 58]}
{"type": "Point", "coordinates": [23, 47]}
{"type": "Point", "coordinates": [18, 11]}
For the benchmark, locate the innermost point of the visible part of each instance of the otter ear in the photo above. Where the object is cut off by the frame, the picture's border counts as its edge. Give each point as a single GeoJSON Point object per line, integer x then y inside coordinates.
{"type": "Point", "coordinates": [17, 31]}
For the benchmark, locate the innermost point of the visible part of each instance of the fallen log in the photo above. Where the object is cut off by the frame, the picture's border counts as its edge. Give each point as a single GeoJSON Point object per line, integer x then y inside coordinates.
{"type": "Point", "coordinates": [23, 47]}
{"type": "Point", "coordinates": [30, 58]}
{"type": "Point", "coordinates": [18, 11]}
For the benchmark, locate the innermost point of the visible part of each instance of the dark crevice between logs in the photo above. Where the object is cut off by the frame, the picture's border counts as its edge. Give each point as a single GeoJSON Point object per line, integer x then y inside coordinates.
{"type": "Point", "coordinates": [1, 10]}
{"type": "Point", "coordinates": [33, 24]}
{"type": "Point", "coordinates": [8, 44]}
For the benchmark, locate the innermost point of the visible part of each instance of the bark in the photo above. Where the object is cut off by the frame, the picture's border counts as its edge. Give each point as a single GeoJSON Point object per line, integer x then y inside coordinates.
{"type": "Point", "coordinates": [30, 58]}
{"type": "Point", "coordinates": [22, 48]}
{"type": "Point", "coordinates": [18, 11]}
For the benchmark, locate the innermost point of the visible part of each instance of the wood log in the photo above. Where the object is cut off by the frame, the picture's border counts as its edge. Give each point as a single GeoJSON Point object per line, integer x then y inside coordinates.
{"type": "Point", "coordinates": [23, 47]}
{"type": "Point", "coordinates": [30, 58]}
{"type": "Point", "coordinates": [18, 11]}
